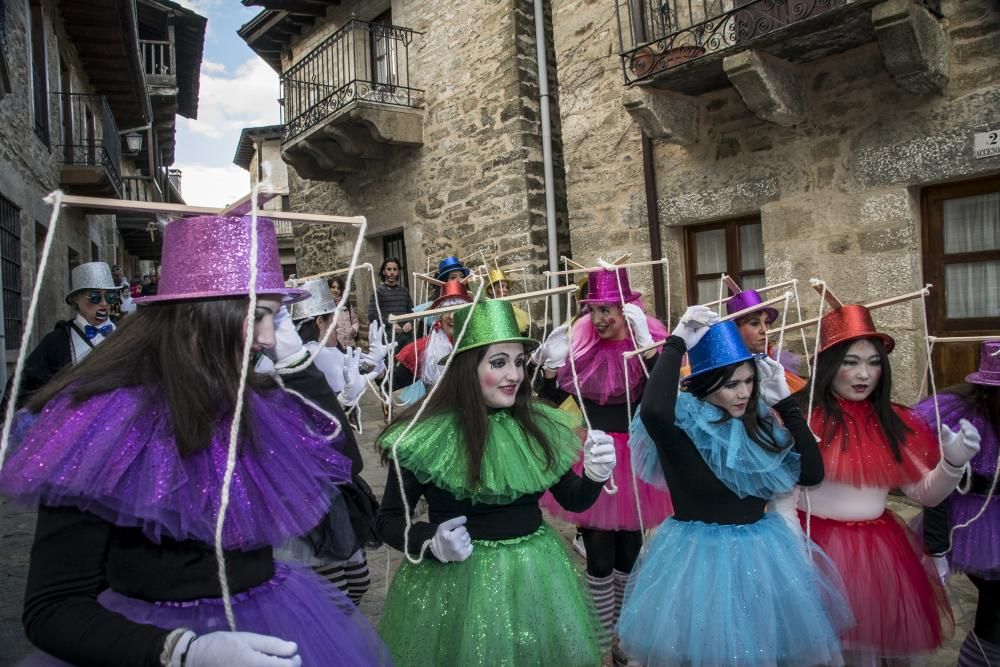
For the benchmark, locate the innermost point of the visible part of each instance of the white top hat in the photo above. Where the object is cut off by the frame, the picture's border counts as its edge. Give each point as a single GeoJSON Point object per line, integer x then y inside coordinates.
{"type": "Point", "coordinates": [92, 275]}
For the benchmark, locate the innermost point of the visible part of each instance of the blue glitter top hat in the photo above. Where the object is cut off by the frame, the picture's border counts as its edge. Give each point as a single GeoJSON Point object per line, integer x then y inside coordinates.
{"type": "Point", "coordinates": [721, 346]}
{"type": "Point", "coordinates": [449, 264]}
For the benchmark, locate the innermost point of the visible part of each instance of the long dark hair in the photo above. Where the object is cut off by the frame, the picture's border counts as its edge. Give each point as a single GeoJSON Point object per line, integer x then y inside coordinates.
{"type": "Point", "coordinates": [340, 284]}
{"type": "Point", "coordinates": [190, 352]}
{"type": "Point", "coordinates": [982, 399]}
{"type": "Point", "coordinates": [459, 393]}
{"type": "Point", "coordinates": [758, 426]}
{"type": "Point", "coordinates": [826, 368]}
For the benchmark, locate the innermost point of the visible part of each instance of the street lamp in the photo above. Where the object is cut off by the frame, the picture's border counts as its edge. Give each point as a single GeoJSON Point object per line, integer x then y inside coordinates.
{"type": "Point", "coordinates": [134, 142]}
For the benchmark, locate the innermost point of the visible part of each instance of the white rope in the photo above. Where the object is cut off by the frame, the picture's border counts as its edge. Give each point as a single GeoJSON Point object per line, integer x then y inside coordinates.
{"type": "Point", "coordinates": [722, 287]}
{"type": "Point", "coordinates": [55, 200]}
{"type": "Point", "coordinates": [802, 332]}
{"type": "Point", "coordinates": [781, 334]}
{"type": "Point", "coordinates": [669, 306]}
{"type": "Point", "coordinates": [545, 334]}
{"type": "Point", "coordinates": [234, 428]}
{"type": "Point", "coordinates": [635, 481]}
{"type": "Point", "coordinates": [812, 390]}
{"type": "Point", "coordinates": [628, 323]}
{"type": "Point", "coordinates": [409, 427]}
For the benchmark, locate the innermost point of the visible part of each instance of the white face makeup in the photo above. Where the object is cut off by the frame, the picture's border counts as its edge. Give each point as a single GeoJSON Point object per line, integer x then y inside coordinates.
{"type": "Point", "coordinates": [501, 372]}
{"type": "Point", "coordinates": [96, 314]}
{"type": "Point", "coordinates": [609, 321]}
{"type": "Point", "coordinates": [859, 372]}
{"type": "Point", "coordinates": [734, 395]}
{"type": "Point", "coordinates": [263, 323]}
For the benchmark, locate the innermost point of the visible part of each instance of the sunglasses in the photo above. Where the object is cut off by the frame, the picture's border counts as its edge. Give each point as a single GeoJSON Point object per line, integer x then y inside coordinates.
{"type": "Point", "coordinates": [112, 298]}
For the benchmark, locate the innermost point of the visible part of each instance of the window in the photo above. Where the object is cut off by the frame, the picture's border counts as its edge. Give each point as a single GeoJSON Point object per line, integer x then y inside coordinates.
{"type": "Point", "coordinates": [10, 266]}
{"type": "Point", "coordinates": [39, 73]}
{"type": "Point", "coordinates": [4, 68]}
{"type": "Point", "coordinates": [961, 240]}
{"type": "Point", "coordinates": [383, 57]}
{"type": "Point", "coordinates": [72, 261]}
{"type": "Point", "coordinates": [735, 247]}
{"type": "Point", "coordinates": [288, 270]}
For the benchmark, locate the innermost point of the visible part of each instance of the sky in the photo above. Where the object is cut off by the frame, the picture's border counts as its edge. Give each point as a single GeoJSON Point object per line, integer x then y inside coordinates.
{"type": "Point", "coordinates": [238, 90]}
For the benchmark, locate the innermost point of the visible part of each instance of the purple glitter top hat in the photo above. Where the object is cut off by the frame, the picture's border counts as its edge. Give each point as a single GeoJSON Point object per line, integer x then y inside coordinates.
{"type": "Point", "coordinates": [721, 346]}
{"type": "Point", "coordinates": [989, 365]}
{"type": "Point", "coordinates": [602, 287]}
{"type": "Point", "coordinates": [748, 299]}
{"type": "Point", "coordinates": [209, 256]}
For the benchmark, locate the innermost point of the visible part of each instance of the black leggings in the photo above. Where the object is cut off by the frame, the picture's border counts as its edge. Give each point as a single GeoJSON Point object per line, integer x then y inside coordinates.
{"type": "Point", "coordinates": [609, 550]}
{"type": "Point", "coordinates": [988, 610]}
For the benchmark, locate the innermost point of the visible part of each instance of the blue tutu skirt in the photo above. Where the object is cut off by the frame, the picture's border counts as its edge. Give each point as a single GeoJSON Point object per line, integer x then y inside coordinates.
{"type": "Point", "coordinates": [735, 596]}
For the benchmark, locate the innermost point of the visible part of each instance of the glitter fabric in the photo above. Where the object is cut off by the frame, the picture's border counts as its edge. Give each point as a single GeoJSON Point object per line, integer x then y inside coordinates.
{"type": "Point", "coordinates": [721, 345]}
{"type": "Point", "coordinates": [989, 365]}
{"type": "Point", "coordinates": [748, 299]}
{"type": "Point", "coordinates": [850, 322]}
{"type": "Point", "coordinates": [493, 321]}
{"type": "Point", "coordinates": [617, 511]}
{"type": "Point", "coordinates": [602, 287]}
{"type": "Point", "coordinates": [856, 451]}
{"type": "Point", "coordinates": [975, 548]}
{"type": "Point", "coordinates": [899, 604]}
{"type": "Point", "coordinates": [746, 468]}
{"type": "Point", "coordinates": [513, 603]}
{"type": "Point", "coordinates": [114, 455]}
{"type": "Point", "coordinates": [453, 289]}
{"type": "Point", "coordinates": [711, 595]}
{"type": "Point", "coordinates": [601, 375]}
{"type": "Point", "coordinates": [209, 256]}
{"type": "Point", "coordinates": [320, 301]}
{"type": "Point", "coordinates": [512, 466]}
{"type": "Point", "coordinates": [91, 275]}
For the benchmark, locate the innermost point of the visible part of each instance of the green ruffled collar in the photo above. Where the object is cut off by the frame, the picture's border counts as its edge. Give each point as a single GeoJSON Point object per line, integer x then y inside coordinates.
{"type": "Point", "coordinates": [513, 464]}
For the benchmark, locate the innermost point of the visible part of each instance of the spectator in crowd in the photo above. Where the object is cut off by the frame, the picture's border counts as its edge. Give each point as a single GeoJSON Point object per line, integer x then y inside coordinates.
{"type": "Point", "coordinates": [347, 323]}
{"type": "Point", "coordinates": [391, 298]}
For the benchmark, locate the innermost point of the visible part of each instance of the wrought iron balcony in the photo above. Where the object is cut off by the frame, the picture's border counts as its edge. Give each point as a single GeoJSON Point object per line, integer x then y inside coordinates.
{"type": "Point", "coordinates": [350, 98]}
{"type": "Point", "coordinates": [659, 38]}
{"type": "Point", "coordinates": [90, 147]}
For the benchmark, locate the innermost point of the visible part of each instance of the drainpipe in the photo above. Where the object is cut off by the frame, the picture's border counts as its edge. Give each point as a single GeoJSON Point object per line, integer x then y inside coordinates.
{"type": "Point", "coordinates": [550, 195]}
{"type": "Point", "coordinates": [653, 221]}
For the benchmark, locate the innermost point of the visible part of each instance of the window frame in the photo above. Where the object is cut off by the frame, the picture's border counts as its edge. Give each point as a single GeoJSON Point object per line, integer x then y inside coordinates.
{"type": "Point", "coordinates": [733, 253]}
{"type": "Point", "coordinates": [934, 259]}
{"type": "Point", "coordinates": [38, 59]}
{"type": "Point", "coordinates": [10, 239]}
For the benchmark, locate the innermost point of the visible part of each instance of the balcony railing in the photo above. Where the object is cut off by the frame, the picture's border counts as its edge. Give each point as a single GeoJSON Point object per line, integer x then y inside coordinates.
{"type": "Point", "coordinates": [283, 228]}
{"type": "Point", "coordinates": [89, 135]}
{"type": "Point", "coordinates": [158, 58]}
{"type": "Point", "coordinates": [140, 188]}
{"type": "Point", "coordinates": [656, 35]}
{"type": "Point", "coordinates": [361, 61]}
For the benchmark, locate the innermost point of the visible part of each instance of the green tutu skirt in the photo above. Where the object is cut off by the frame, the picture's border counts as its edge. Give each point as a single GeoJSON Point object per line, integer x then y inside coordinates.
{"type": "Point", "coordinates": [514, 602]}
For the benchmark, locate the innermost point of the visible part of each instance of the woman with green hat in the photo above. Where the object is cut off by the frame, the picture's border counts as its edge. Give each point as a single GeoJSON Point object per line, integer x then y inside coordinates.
{"type": "Point", "coordinates": [492, 583]}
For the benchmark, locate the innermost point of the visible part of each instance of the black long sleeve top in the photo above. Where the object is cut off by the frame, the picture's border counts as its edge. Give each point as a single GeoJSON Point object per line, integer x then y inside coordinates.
{"type": "Point", "coordinates": [697, 494]}
{"type": "Point", "coordinates": [485, 521]}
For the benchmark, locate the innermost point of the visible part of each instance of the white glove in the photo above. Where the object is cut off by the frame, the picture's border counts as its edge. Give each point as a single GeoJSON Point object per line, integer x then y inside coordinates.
{"type": "Point", "coordinates": [377, 365]}
{"type": "Point", "coordinates": [553, 352]}
{"type": "Point", "coordinates": [247, 649]}
{"type": "Point", "coordinates": [287, 350]}
{"type": "Point", "coordinates": [694, 324]}
{"type": "Point", "coordinates": [378, 349]}
{"type": "Point", "coordinates": [942, 567]}
{"type": "Point", "coordinates": [598, 456]}
{"type": "Point", "coordinates": [640, 326]}
{"type": "Point", "coordinates": [354, 383]}
{"type": "Point", "coordinates": [959, 447]}
{"type": "Point", "coordinates": [771, 379]}
{"type": "Point", "coordinates": [451, 541]}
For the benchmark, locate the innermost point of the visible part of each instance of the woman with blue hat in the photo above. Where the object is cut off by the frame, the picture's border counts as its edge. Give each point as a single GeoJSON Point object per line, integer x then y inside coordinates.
{"type": "Point", "coordinates": [722, 582]}
{"type": "Point", "coordinates": [495, 585]}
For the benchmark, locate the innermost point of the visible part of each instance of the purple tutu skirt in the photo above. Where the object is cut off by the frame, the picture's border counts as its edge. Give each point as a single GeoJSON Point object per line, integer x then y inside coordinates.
{"type": "Point", "coordinates": [975, 549]}
{"type": "Point", "coordinates": [619, 511]}
{"type": "Point", "coordinates": [296, 605]}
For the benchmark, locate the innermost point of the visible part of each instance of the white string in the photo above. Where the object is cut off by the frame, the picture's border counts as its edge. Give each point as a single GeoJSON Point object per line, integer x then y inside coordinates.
{"type": "Point", "coordinates": [635, 481]}
{"type": "Point", "coordinates": [234, 428]}
{"type": "Point", "coordinates": [722, 286]}
{"type": "Point", "coordinates": [781, 334]}
{"type": "Point", "coordinates": [409, 427]}
{"type": "Point", "coordinates": [628, 323]}
{"type": "Point", "coordinates": [669, 306]}
{"type": "Point", "coordinates": [55, 199]}
{"type": "Point", "coordinates": [812, 390]}
{"type": "Point", "coordinates": [545, 334]}
{"type": "Point", "coordinates": [802, 332]}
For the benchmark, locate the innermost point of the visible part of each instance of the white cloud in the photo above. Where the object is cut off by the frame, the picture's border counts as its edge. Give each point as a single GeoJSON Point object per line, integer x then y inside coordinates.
{"type": "Point", "coordinates": [229, 103]}
{"type": "Point", "coordinates": [204, 185]}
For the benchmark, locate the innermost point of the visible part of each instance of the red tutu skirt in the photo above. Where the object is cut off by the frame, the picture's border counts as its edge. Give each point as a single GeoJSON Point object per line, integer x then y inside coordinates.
{"type": "Point", "coordinates": [899, 605]}
{"type": "Point", "coordinates": [620, 510]}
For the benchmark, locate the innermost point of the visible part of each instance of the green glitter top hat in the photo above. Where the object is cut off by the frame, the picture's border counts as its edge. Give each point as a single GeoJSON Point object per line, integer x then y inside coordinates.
{"type": "Point", "coordinates": [492, 321]}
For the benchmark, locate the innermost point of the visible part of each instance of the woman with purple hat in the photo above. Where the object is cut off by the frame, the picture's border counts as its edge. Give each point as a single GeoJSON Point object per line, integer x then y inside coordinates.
{"type": "Point", "coordinates": [870, 446]}
{"type": "Point", "coordinates": [753, 326]}
{"type": "Point", "coordinates": [973, 547]}
{"type": "Point", "coordinates": [126, 463]}
{"type": "Point", "coordinates": [611, 527]}
{"type": "Point", "coordinates": [723, 582]}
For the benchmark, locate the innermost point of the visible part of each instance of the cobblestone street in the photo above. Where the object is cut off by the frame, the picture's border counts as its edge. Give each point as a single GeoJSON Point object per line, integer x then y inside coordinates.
{"type": "Point", "coordinates": [17, 525]}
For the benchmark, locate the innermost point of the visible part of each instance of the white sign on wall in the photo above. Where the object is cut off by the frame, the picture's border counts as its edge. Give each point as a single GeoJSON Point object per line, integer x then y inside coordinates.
{"type": "Point", "coordinates": [987, 144]}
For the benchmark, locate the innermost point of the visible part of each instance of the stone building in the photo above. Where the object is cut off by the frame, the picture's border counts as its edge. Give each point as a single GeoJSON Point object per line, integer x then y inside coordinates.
{"type": "Point", "coordinates": [847, 140]}
{"type": "Point", "coordinates": [91, 116]}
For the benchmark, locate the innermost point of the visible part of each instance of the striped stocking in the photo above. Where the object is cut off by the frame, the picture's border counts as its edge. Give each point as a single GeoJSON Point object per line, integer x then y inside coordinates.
{"type": "Point", "coordinates": [977, 652]}
{"type": "Point", "coordinates": [603, 591]}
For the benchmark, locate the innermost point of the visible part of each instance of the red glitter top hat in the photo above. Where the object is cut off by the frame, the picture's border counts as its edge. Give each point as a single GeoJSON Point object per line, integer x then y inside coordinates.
{"type": "Point", "coordinates": [453, 289]}
{"type": "Point", "coordinates": [851, 321]}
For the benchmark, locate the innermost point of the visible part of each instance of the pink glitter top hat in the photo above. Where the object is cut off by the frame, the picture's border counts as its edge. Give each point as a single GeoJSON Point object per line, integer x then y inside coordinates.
{"type": "Point", "coordinates": [209, 257]}
{"type": "Point", "coordinates": [602, 287]}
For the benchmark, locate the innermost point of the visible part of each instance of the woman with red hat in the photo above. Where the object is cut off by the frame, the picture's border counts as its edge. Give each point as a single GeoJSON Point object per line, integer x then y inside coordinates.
{"type": "Point", "coordinates": [966, 527]}
{"type": "Point", "coordinates": [871, 445]}
{"type": "Point", "coordinates": [126, 463]}
{"type": "Point", "coordinates": [723, 582]}
{"type": "Point", "coordinates": [611, 527]}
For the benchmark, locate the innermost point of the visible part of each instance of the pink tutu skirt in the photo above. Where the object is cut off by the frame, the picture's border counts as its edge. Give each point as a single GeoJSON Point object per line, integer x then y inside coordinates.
{"type": "Point", "coordinates": [618, 511]}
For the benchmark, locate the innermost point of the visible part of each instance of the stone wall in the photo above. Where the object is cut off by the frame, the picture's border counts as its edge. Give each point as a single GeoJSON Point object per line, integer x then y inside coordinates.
{"type": "Point", "coordinates": [838, 193]}
{"type": "Point", "coordinates": [477, 180]}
